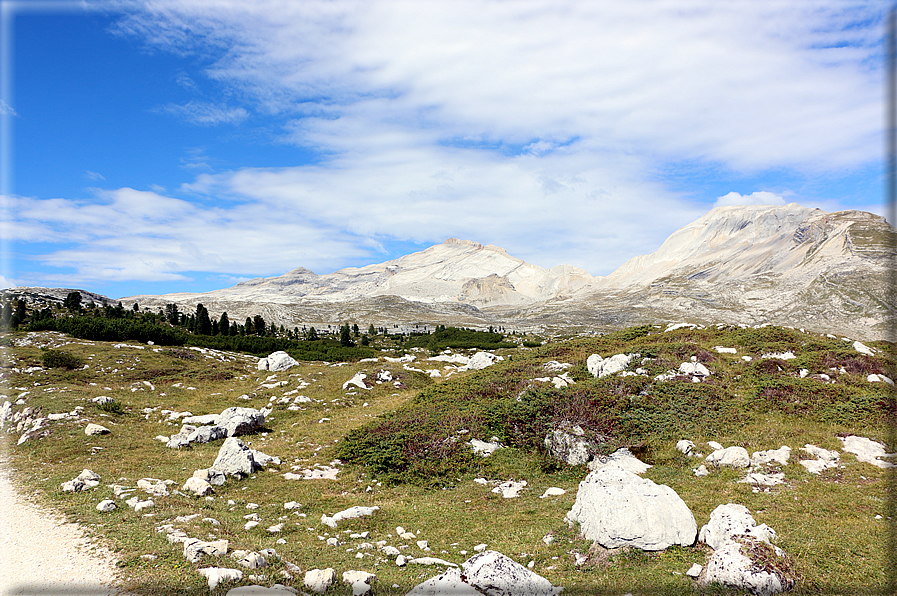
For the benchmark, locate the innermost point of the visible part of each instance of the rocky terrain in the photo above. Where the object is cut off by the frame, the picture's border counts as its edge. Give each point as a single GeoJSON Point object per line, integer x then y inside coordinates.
{"type": "Point", "coordinates": [671, 458]}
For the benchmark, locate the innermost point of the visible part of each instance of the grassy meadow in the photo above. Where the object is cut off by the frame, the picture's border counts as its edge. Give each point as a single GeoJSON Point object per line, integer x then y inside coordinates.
{"type": "Point", "coordinates": [394, 448]}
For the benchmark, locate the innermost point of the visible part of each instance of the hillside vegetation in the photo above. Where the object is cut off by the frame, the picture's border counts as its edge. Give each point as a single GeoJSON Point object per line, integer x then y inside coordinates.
{"type": "Point", "coordinates": [401, 444]}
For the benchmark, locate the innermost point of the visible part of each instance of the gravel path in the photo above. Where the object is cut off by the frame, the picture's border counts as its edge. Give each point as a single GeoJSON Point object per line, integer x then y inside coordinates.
{"type": "Point", "coordinates": [42, 554]}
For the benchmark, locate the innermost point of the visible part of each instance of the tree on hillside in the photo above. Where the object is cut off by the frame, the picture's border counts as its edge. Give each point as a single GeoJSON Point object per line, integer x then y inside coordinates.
{"type": "Point", "coordinates": [312, 334]}
{"type": "Point", "coordinates": [371, 330]}
{"type": "Point", "coordinates": [258, 325]}
{"type": "Point", "coordinates": [203, 325]}
{"type": "Point", "coordinates": [224, 324]}
{"type": "Point", "coordinates": [73, 302]}
{"type": "Point", "coordinates": [171, 314]}
{"type": "Point", "coordinates": [345, 337]}
{"type": "Point", "coordinates": [355, 331]}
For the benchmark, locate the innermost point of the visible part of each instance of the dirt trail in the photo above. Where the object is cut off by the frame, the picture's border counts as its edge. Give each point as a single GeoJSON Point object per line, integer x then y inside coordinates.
{"type": "Point", "coordinates": [42, 554]}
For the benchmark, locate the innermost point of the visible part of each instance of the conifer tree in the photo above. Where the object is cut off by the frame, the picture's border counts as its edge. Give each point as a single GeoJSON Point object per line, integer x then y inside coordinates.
{"type": "Point", "coordinates": [224, 324]}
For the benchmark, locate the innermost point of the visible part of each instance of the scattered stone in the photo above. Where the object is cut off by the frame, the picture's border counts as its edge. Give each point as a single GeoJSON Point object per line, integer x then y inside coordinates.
{"type": "Point", "coordinates": [877, 378]}
{"type": "Point", "coordinates": [553, 492]}
{"type": "Point", "coordinates": [480, 548]}
{"type": "Point", "coordinates": [204, 420]}
{"type": "Point", "coordinates": [758, 479]}
{"type": "Point", "coordinates": [778, 456]}
{"type": "Point", "coordinates": [241, 421]}
{"type": "Point", "coordinates": [401, 560]}
{"type": "Point", "coordinates": [197, 486]}
{"type": "Point", "coordinates": [194, 548]}
{"type": "Point", "coordinates": [154, 486]}
{"type": "Point", "coordinates": [867, 450]}
{"type": "Point", "coordinates": [686, 447]}
{"type": "Point", "coordinates": [695, 570]}
{"type": "Point", "coordinates": [216, 575]}
{"type": "Point", "coordinates": [318, 580]}
{"type": "Point", "coordinates": [789, 355]}
{"type": "Point", "coordinates": [714, 445]}
{"type": "Point", "coordinates": [235, 459]}
{"type": "Point", "coordinates": [568, 444]}
{"type": "Point", "coordinates": [213, 477]}
{"type": "Point", "coordinates": [359, 580]}
{"type": "Point", "coordinates": [141, 505]}
{"type": "Point", "coordinates": [357, 381]}
{"type": "Point", "coordinates": [729, 522]}
{"type": "Point", "coordinates": [481, 360]}
{"type": "Point", "coordinates": [96, 429]}
{"type": "Point", "coordinates": [730, 457]}
{"type": "Point", "coordinates": [602, 367]}
{"type": "Point", "coordinates": [750, 565]}
{"type": "Point", "coordinates": [694, 369]}
{"type": "Point", "coordinates": [253, 560]}
{"type": "Point", "coordinates": [86, 479]}
{"type": "Point", "coordinates": [701, 471]}
{"type": "Point", "coordinates": [482, 448]}
{"type": "Point", "coordinates": [450, 583]}
{"type": "Point", "coordinates": [863, 349]}
{"type": "Point", "coordinates": [106, 506]}
{"type": "Point", "coordinates": [825, 459]}
{"type": "Point", "coordinates": [510, 489]}
{"type": "Point", "coordinates": [616, 508]}
{"type": "Point", "coordinates": [350, 513]}
{"type": "Point", "coordinates": [102, 399]}
{"type": "Point", "coordinates": [722, 350]}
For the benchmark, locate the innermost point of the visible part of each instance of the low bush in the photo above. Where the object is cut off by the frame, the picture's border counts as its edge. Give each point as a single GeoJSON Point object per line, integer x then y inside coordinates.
{"type": "Point", "coordinates": [61, 359]}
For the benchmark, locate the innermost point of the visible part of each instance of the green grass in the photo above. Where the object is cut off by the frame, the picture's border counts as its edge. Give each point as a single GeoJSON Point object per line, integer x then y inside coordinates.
{"type": "Point", "coordinates": [825, 523]}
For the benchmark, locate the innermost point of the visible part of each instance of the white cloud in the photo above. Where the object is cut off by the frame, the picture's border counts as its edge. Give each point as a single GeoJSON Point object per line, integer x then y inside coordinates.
{"type": "Point", "coordinates": [6, 109]}
{"type": "Point", "coordinates": [206, 114]}
{"type": "Point", "coordinates": [760, 197]}
{"type": "Point", "coordinates": [748, 84]}
{"type": "Point", "coordinates": [94, 175]}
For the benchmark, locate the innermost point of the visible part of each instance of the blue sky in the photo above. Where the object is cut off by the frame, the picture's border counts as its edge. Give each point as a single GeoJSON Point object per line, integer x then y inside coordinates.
{"type": "Point", "coordinates": [160, 146]}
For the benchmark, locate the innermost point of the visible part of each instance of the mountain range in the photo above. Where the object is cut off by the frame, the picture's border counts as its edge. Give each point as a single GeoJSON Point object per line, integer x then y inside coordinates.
{"type": "Point", "coordinates": [786, 265]}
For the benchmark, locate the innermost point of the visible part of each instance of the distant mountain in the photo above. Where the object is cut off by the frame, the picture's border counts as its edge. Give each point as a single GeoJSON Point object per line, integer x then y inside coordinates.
{"type": "Point", "coordinates": [456, 271]}
{"type": "Point", "coordinates": [786, 265]}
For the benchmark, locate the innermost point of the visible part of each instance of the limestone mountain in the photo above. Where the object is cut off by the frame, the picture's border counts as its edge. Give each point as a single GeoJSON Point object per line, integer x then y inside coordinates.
{"type": "Point", "coordinates": [786, 265]}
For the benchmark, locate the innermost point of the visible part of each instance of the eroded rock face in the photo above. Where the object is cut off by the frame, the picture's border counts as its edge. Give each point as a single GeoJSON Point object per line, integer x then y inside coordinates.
{"type": "Point", "coordinates": [240, 421]}
{"type": "Point", "coordinates": [616, 508]}
{"type": "Point", "coordinates": [749, 565]}
{"type": "Point", "coordinates": [729, 522]}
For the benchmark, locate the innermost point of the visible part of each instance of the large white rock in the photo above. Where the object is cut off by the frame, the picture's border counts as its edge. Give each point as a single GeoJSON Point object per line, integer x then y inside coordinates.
{"type": "Point", "coordinates": [277, 361]}
{"type": "Point", "coordinates": [197, 486]}
{"type": "Point", "coordinates": [730, 457]}
{"type": "Point", "coordinates": [510, 489]}
{"type": "Point", "coordinates": [482, 448]}
{"type": "Point", "coordinates": [350, 513]}
{"type": "Point", "coordinates": [96, 429]}
{"type": "Point", "coordinates": [357, 381]}
{"type": "Point", "coordinates": [732, 566]}
{"type": "Point", "coordinates": [494, 574]}
{"type": "Point", "coordinates": [481, 360]}
{"type": "Point", "coordinates": [318, 580]}
{"type": "Point", "coordinates": [616, 508]}
{"type": "Point", "coordinates": [241, 421]}
{"type": "Point", "coordinates": [235, 459]}
{"type": "Point", "coordinates": [216, 575]}
{"type": "Point", "coordinates": [359, 580]}
{"type": "Point", "coordinates": [694, 368]}
{"type": "Point", "coordinates": [867, 450]}
{"type": "Point", "coordinates": [602, 367]}
{"type": "Point", "coordinates": [728, 522]}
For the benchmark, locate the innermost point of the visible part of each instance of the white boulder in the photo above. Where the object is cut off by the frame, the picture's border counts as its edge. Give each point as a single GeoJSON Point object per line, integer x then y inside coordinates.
{"type": "Point", "coordinates": [482, 448]}
{"type": "Point", "coordinates": [778, 456]}
{"type": "Point", "coordinates": [450, 583]}
{"type": "Point", "coordinates": [357, 381]}
{"type": "Point", "coordinates": [197, 486]}
{"type": "Point", "coordinates": [617, 508]}
{"type": "Point", "coordinates": [494, 574]}
{"type": "Point", "coordinates": [241, 421]}
{"type": "Point", "coordinates": [235, 459]}
{"type": "Point", "coordinates": [481, 360]}
{"type": "Point", "coordinates": [602, 367]}
{"type": "Point", "coordinates": [277, 361]}
{"type": "Point", "coordinates": [728, 522]}
{"type": "Point", "coordinates": [568, 444]}
{"type": "Point", "coordinates": [359, 580]}
{"type": "Point", "coordinates": [745, 565]}
{"type": "Point", "coordinates": [96, 429]}
{"type": "Point", "coordinates": [318, 580]}
{"type": "Point", "coordinates": [216, 575]}
{"type": "Point", "coordinates": [730, 457]}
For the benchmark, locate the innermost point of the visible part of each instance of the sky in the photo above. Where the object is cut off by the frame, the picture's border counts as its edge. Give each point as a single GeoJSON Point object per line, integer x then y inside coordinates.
{"type": "Point", "coordinates": [156, 146]}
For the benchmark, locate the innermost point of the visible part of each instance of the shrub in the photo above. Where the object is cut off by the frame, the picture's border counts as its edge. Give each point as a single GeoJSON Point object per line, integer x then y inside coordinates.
{"type": "Point", "coordinates": [61, 359]}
